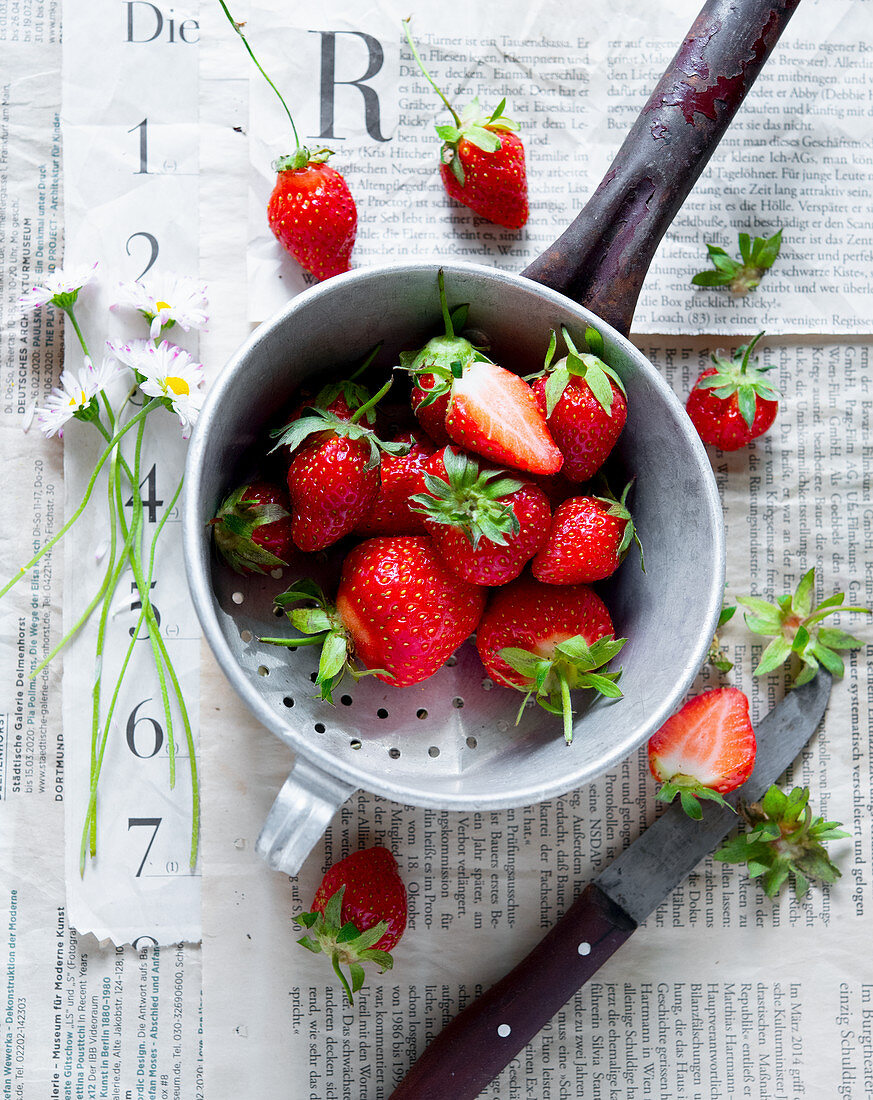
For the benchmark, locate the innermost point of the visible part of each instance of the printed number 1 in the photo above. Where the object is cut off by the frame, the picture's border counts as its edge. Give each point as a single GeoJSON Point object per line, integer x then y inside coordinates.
{"type": "Point", "coordinates": [132, 822]}
{"type": "Point", "coordinates": [143, 147]}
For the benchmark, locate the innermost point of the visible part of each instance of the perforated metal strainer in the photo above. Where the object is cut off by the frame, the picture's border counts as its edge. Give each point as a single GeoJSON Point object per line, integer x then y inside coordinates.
{"type": "Point", "coordinates": [452, 742]}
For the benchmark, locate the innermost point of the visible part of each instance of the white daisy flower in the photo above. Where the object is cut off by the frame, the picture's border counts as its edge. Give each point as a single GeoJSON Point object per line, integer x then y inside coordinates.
{"type": "Point", "coordinates": [168, 372]}
{"type": "Point", "coordinates": [60, 287]}
{"type": "Point", "coordinates": [76, 396]}
{"type": "Point", "coordinates": [168, 300]}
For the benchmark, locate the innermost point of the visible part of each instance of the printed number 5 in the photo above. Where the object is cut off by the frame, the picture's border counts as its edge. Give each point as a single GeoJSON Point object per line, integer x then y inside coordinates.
{"type": "Point", "coordinates": [132, 822]}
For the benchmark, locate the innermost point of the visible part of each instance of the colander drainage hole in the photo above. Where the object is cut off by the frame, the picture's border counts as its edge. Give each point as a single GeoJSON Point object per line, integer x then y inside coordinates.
{"type": "Point", "coordinates": [457, 702]}
{"type": "Point", "coordinates": [246, 636]}
{"type": "Point", "coordinates": [421, 713]}
{"type": "Point", "coordinates": [356, 744]}
{"type": "Point", "coordinates": [433, 751]}
{"type": "Point", "coordinates": [472, 742]}
{"type": "Point", "coordinates": [452, 661]}
{"type": "Point", "coordinates": [394, 754]}
{"type": "Point", "coordinates": [276, 574]}
{"type": "Point", "coordinates": [313, 676]}
{"type": "Point", "coordinates": [487, 684]}
{"type": "Point", "coordinates": [237, 597]}
{"type": "Point", "coordinates": [381, 713]}
{"type": "Point", "coordinates": [278, 612]}
{"type": "Point", "coordinates": [346, 700]}
{"type": "Point", "coordinates": [319, 727]}
{"type": "Point", "coordinates": [263, 670]}
{"type": "Point", "coordinates": [288, 701]}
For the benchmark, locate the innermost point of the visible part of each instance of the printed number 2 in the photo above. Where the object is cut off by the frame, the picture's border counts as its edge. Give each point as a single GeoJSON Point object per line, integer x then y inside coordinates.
{"type": "Point", "coordinates": [143, 147]}
{"type": "Point", "coordinates": [133, 822]}
{"type": "Point", "coordinates": [153, 245]}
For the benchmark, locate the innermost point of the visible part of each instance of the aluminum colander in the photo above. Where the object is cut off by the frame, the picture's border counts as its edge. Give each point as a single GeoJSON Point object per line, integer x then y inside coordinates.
{"type": "Point", "coordinates": [452, 742]}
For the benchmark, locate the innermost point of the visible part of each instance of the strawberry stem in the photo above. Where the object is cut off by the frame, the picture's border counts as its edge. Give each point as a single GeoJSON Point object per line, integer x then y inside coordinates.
{"type": "Point", "coordinates": [427, 75]}
{"type": "Point", "coordinates": [444, 305]}
{"type": "Point", "coordinates": [566, 706]}
{"type": "Point", "coordinates": [374, 400]}
{"type": "Point", "coordinates": [238, 28]}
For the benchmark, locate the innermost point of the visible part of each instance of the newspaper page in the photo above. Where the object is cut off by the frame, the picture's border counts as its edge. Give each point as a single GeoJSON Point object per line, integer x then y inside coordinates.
{"type": "Point", "coordinates": [722, 992]}
{"type": "Point", "coordinates": [80, 1018]}
{"type": "Point", "coordinates": [797, 156]}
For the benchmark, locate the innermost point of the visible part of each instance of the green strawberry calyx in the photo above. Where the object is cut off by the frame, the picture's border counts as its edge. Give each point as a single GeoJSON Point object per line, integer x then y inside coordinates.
{"type": "Point", "coordinates": [239, 516]}
{"type": "Point", "coordinates": [572, 665]}
{"type": "Point", "coordinates": [321, 420]}
{"type": "Point", "coordinates": [793, 622]}
{"type": "Point", "coordinates": [442, 357]}
{"type": "Point", "coordinates": [474, 124]}
{"type": "Point", "coordinates": [736, 376]}
{"type": "Point", "coordinates": [471, 499]}
{"type": "Point", "coordinates": [343, 943]}
{"type": "Point", "coordinates": [784, 839]}
{"type": "Point", "coordinates": [322, 625]}
{"type": "Point", "coordinates": [716, 655]}
{"type": "Point", "coordinates": [690, 790]}
{"type": "Point", "coordinates": [587, 365]}
{"type": "Point", "coordinates": [619, 509]}
{"type": "Point", "coordinates": [302, 157]}
{"type": "Point", "coordinates": [756, 257]}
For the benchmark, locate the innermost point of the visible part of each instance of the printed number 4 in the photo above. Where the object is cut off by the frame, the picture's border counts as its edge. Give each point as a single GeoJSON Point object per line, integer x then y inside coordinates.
{"type": "Point", "coordinates": [133, 822]}
{"type": "Point", "coordinates": [151, 501]}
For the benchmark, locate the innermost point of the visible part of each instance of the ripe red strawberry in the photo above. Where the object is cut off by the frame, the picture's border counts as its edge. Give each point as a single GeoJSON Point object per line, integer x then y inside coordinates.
{"type": "Point", "coordinates": [358, 914]}
{"type": "Point", "coordinates": [431, 414]}
{"type": "Point", "coordinates": [333, 477]}
{"type": "Point", "coordinates": [732, 403]}
{"type": "Point", "coordinates": [311, 210]}
{"type": "Point", "coordinates": [587, 541]}
{"type": "Point", "coordinates": [482, 160]}
{"type": "Point", "coordinates": [705, 750]}
{"type": "Point", "coordinates": [402, 476]}
{"type": "Point", "coordinates": [312, 213]}
{"type": "Point", "coordinates": [585, 406]}
{"type": "Point", "coordinates": [547, 641]}
{"type": "Point", "coordinates": [252, 528]}
{"type": "Point", "coordinates": [485, 524]}
{"type": "Point", "coordinates": [399, 610]}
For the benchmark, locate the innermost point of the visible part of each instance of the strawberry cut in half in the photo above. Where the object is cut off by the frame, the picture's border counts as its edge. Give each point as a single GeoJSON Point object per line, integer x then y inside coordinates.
{"type": "Point", "coordinates": [485, 523]}
{"type": "Point", "coordinates": [587, 541]}
{"type": "Point", "coordinates": [584, 403]}
{"type": "Point", "coordinates": [252, 528]}
{"type": "Point", "coordinates": [548, 641]}
{"type": "Point", "coordinates": [482, 161]}
{"type": "Point", "coordinates": [704, 750]}
{"type": "Point", "coordinates": [400, 611]}
{"type": "Point", "coordinates": [732, 403]}
{"type": "Point", "coordinates": [358, 915]}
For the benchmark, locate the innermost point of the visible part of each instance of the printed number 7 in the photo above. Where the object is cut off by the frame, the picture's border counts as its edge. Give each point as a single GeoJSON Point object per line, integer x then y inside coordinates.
{"type": "Point", "coordinates": [134, 821]}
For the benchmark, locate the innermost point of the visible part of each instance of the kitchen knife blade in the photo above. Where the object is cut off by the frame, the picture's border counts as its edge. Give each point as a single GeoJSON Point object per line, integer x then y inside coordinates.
{"type": "Point", "coordinates": [489, 1033]}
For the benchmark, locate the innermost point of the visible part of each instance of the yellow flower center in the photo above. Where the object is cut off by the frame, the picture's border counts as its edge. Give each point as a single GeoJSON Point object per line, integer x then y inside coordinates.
{"type": "Point", "coordinates": [81, 400]}
{"type": "Point", "coordinates": [178, 385]}
{"type": "Point", "coordinates": [162, 305]}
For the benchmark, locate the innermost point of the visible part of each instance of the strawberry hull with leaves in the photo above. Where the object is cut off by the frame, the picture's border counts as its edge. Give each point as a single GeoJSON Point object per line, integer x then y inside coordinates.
{"type": "Point", "coordinates": [358, 915]}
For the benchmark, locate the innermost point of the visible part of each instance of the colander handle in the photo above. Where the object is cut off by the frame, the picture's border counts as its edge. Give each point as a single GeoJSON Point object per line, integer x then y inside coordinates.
{"type": "Point", "coordinates": [297, 819]}
{"type": "Point", "coordinates": [602, 259]}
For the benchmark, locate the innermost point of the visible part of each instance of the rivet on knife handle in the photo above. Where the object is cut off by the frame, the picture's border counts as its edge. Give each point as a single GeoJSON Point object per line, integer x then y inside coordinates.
{"type": "Point", "coordinates": [488, 1034]}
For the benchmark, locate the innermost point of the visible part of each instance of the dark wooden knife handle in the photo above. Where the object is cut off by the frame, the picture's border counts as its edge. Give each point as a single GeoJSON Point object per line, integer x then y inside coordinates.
{"type": "Point", "coordinates": [601, 260]}
{"type": "Point", "coordinates": [487, 1035]}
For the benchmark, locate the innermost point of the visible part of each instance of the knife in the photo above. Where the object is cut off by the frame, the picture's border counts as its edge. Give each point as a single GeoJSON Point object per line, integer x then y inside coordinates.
{"type": "Point", "coordinates": [489, 1033]}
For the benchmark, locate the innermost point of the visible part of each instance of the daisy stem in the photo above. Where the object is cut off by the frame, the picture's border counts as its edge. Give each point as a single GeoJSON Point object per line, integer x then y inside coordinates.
{"type": "Point", "coordinates": [238, 28]}
{"type": "Point", "coordinates": [71, 314]}
{"type": "Point", "coordinates": [84, 502]}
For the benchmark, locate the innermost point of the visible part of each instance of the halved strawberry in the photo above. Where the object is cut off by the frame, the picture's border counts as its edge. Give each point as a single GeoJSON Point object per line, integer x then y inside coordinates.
{"type": "Point", "coordinates": [547, 641]}
{"type": "Point", "coordinates": [584, 403]}
{"type": "Point", "coordinates": [494, 413]}
{"type": "Point", "coordinates": [399, 610]}
{"type": "Point", "coordinates": [705, 750]}
{"type": "Point", "coordinates": [486, 525]}
{"type": "Point", "coordinates": [587, 541]}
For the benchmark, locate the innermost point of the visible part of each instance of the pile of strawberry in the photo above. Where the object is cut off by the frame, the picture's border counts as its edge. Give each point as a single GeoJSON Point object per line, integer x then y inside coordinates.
{"type": "Point", "coordinates": [476, 518]}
